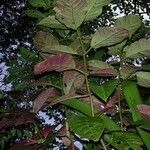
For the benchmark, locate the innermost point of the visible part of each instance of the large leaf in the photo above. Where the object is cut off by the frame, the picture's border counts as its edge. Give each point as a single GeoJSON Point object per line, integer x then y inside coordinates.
{"type": "Point", "coordinates": [71, 13]}
{"type": "Point", "coordinates": [145, 136]}
{"type": "Point", "coordinates": [94, 8]}
{"type": "Point", "coordinates": [130, 22]}
{"type": "Point", "coordinates": [46, 42]}
{"type": "Point", "coordinates": [51, 22]}
{"type": "Point", "coordinates": [133, 99]}
{"type": "Point", "coordinates": [143, 78]}
{"type": "Point", "coordinates": [78, 105]}
{"type": "Point", "coordinates": [59, 63]}
{"type": "Point", "coordinates": [138, 48]}
{"type": "Point", "coordinates": [42, 98]}
{"type": "Point", "coordinates": [87, 127]}
{"type": "Point", "coordinates": [103, 91]}
{"type": "Point", "coordinates": [107, 36]}
{"type": "Point", "coordinates": [124, 141]}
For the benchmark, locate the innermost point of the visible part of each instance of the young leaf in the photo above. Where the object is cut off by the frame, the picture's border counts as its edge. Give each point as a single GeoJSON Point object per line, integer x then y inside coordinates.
{"type": "Point", "coordinates": [42, 98]}
{"type": "Point", "coordinates": [59, 63]}
{"type": "Point", "coordinates": [138, 48]}
{"type": "Point", "coordinates": [143, 78]}
{"type": "Point", "coordinates": [130, 22]}
{"type": "Point", "coordinates": [71, 13]}
{"type": "Point", "coordinates": [107, 36]}
{"type": "Point", "coordinates": [103, 91]}
{"type": "Point", "coordinates": [51, 22]}
{"type": "Point", "coordinates": [94, 8]}
{"type": "Point", "coordinates": [133, 99]}
{"type": "Point", "coordinates": [144, 110]}
{"type": "Point", "coordinates": [87, 127]}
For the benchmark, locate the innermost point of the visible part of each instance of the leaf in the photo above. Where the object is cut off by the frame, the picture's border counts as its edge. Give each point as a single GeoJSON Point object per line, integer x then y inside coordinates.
{"type": "Point", "coordinates": [130, 22]}
{"type": "Point", "coordinates": [35, 14]}
{"type": "Point", "coordinates": [144, 111]}
{"type": "Point", "coordinates": [145, 136]}
{"type": "Point", "coordinates": [97, 64]}
{"type": "Point", "coordinates": [51, 22]}
{"type": "Point", "coordinates": [42, 98]}
{"type": "Point", "coordinates": [103, 91]}
{"type": "Point", "coordinates": [38, 3]}
{"type": "Point", "coordinates": [87, 127]}
{"type": "Point", "coordinates": [124, 141]}
{"type": "Point", "coordinates": [107, 36]}
{"type": "Point", "coordinates": [109, 72]}
{"type": "Point", "coordinates": [59, 63]}
{"type": "Point", "coordinates": [116, 49]}
{"type": "Point", "coordinates": [72, 81]}
{"type": "Point", "coordinates": [132, 98]}
{"type": "Point", "coordinates": [43, 39]}
{"type": "Point", "coordinates": [127, 70]}
{"type": "Point", "coordinates": [138, 48]}
{"type": "Point", "coordinates": [46, 42]}
{"type": "Point", "coordinates": [78, 105]}
{"type": "Point", "coordinates": [143, 78]}
{"type": "Point", "coordinates": [71, 13]}
{"type": "Point", "coordinates": [94, 8]}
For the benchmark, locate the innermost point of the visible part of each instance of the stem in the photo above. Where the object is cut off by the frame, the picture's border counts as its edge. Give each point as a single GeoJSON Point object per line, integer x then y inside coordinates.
{"type": "Point", "coordinates": [119, 94]}
{"type": "Point", "coordinates": [86, 70]}
{"type": "Point", "coordinates": [103, 144]}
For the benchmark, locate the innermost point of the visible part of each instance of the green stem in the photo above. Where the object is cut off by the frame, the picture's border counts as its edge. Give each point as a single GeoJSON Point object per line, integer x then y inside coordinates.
{"type": "Point", "coordinates": [86, 70]}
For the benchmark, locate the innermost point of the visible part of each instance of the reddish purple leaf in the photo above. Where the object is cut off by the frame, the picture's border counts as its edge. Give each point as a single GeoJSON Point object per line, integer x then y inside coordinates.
{"type": "Point", "coordinates": [48, 130]}
{"type": "Point", "coordinates": [43, 97]}
{"type": "Point", "coordinates": [17, 118]}
{"type": "Point", "coordinates": [70, 147]}
{"type": "Point", "coordinates": [57, 63]}
{"type": "Point", "coordinates": [144, 110]}
{"type": "Point", "coordinates": [23, 143]}
{"type": "Point", "coordinates": [104, 72]}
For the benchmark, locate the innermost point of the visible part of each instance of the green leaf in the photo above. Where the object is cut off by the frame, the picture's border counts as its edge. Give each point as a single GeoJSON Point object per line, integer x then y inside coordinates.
{"type": "Point", "coordinates": [51, 22]}
{"type": "Point", "coordinates": [116, 49]}
{"type": "Point", "coordinates": [130, 22]}
{"type": "Point", "coordinates": [97, 64]}
{"type": "Point", "coordinates": [138, 49]}
{"type": "Point", "coordinates": [71, 13]}
{"type": "Point", "coordinates": [105, 90]}
{"type": "Point", "coordinates": [35, 14]}
{"type": "Point", "coordinates": [145, 136]}
{"type": "Point", "coordinates": [87, 127]}
{"type": "Point", "coordinates": [37, 3]}
{"type": "Point", "coordinates": [94, 8]}
{"type": "Point", "coordinates": [107, 36]}
{"type": "Point", "coordinates": [78, 105]}
{"type": "Point", "coordinates": [133, 99]}
{"type": "Point", "coordinates": [124, 141]}
{"type": "Point", "coordinates": [143, 78]}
